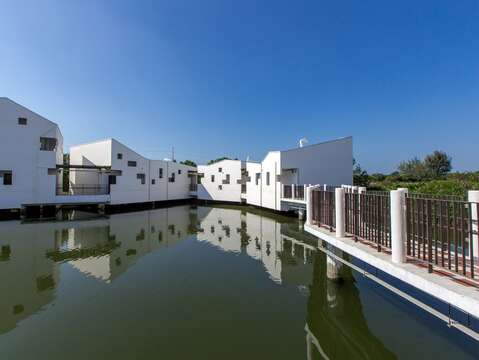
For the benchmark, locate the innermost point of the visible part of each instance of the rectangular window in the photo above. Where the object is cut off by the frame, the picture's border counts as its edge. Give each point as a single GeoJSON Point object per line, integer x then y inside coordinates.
{"type": "Point", "coordinates": [48, 144]}
{"type": "Point", "coordinates": [112, 179]}
{"type": "Point", "coordinates": [267, 179]}
{"type": "Point", "coordinates": [227, 180]}
{"type": "Point", "coordinates": [160, 170]}
{"type": "Point", "coordinates": [152, 181]}
{"type": "Point", "coordinates": [172, 178]}
{"type": "Point", "coordinates": [179, 171]}
{"type": "Point", "coordinates": [119, 156]}
{"type": "Point", "coordinates": [220, 169]}
{"type": "Point", "coordinates": [132, 163]}
{"type": "Point", "coordinates": [258, 177]}
{"type": "Point", "coordinates": [22, 121]}
{"type": "Point", "coordinates": [7, 177]}
{"type": "Point", "coordinates": [141, 177]}
{"type": "Point", "coordinates": [220, 187]}
{"type": "Point", "coordinates": [212, 178]}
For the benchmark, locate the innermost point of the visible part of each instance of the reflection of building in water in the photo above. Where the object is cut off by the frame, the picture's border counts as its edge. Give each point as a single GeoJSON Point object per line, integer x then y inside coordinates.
{"type": "Point", "coordinates": [336, 327]}
{"type": "Point", "coordinates": [125, 239]}
{"type": "Point", "coordinates": [27, 278]}
{"type": "Point", "coordinates": [258, 236]}
{"type": "Point", "coordinates": [30, 254]}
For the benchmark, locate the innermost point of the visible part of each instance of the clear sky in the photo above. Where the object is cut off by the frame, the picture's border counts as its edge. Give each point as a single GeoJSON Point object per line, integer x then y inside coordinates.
{"type": "Point", "coordinates": [239, 78]}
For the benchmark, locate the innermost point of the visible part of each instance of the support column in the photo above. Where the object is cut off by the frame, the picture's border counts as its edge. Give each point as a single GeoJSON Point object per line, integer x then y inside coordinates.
{"type": "Point", "coordinates": [340, 212]}
{"type": "Point", "coordinates": [398, 226]}
{"type": "Point", "coordinates": [473, 197]}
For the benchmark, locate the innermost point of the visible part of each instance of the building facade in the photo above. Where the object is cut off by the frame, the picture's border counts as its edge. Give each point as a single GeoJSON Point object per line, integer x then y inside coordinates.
{"type": "Point", "coordinates": [261, 184]}
{"type": "Point", "coordinates": [33, 171]}
{"type": "Point", "coordinates": [31, 146]}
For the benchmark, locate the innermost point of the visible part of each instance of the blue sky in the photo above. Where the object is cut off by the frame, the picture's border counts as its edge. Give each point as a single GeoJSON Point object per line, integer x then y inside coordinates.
{"type": "Point", "coordinates": [239, 78]}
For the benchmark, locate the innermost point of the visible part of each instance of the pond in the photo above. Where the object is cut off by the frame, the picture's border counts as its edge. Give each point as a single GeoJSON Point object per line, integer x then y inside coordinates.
{"type": "Point", "coordinates": [197, 282]}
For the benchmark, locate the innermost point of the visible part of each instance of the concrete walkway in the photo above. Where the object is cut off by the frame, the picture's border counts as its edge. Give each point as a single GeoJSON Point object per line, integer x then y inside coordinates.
{"type": "Point", "coordinates": [450, 288]}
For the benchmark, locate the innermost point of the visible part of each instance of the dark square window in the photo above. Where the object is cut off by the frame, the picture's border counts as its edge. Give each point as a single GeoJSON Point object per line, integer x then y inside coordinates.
{"type": "Point", "coordinates": [48, 144]}
{"type": "Point", "coordinates": [161, 173]}
{"type": "Point", "coordinates": [152, 181]}
{"type": "Point", "coordinates": [212, 178]}
{"type": "Point", "coordinates": [179, 171]}
{"type": "Point", "coordinates": [7, 178]}
{"type": "Point", "coordinates": [141, 177]}
{"type": "Point", "coordinates": [22, 121]}
{"type": "Point", "coordinates": [119, 156]}
{"type": "Point", "coordinates": [132, 163]}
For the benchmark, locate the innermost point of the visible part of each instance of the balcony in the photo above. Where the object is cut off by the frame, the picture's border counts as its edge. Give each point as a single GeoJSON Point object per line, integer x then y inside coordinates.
{"type": "Point", "coordinates": [293, 192]}
{"type": "Point", "coordinates": [76, 190]}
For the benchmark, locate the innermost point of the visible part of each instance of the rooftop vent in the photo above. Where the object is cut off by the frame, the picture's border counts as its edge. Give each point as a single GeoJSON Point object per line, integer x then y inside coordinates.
{"type": "Point", "coordinates": [303, 142]}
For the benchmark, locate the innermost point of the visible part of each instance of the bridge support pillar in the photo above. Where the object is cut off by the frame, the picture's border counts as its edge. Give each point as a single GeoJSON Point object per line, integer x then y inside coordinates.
{"type": "Point", "coordinates": [333, 269]}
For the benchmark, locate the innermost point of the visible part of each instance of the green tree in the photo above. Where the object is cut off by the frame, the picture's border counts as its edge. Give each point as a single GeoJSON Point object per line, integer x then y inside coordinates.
{"type": "Point", "coordinates": [413, 169]}
{"type": "Point", "coordinates": [438, 164]}
{"type": "Point", "coordinates": [218, 159]}
{"type": "Point", "coordinates": [360, 176]}
{"type": "Point", "coordinates": [189, 163]}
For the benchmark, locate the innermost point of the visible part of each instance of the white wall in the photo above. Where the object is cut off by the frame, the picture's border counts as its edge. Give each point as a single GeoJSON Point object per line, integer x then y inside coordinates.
{"type": "Point", "coordinates": [209, 190]}
{"type": "Point", "coordinates": [329, 162]}
{"type": "Point", "coordinates": [128, 188]}
{"type": "Point", "coordinates": [253, 190]}
{"type": "Point", "coordinates": [20, 153]}
{"type": "Point", "coordinates": [271, 194]}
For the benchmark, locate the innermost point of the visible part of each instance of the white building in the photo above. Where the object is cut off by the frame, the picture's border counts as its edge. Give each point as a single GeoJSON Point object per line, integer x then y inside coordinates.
{"type": "Point", "coordinates": [30, 149]}
{"type": "Point", "coordinates": [127, 176]}
{"type": "Point", "coordinates": [261, 184]}
{"type": "Point", "coordinates": [108, 172]}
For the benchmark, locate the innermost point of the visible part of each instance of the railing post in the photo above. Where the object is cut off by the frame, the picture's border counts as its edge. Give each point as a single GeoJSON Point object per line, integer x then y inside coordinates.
{"type": "Point", "coordinates": [340, 212]}
{"type": "Point", "coordinates": [309, 205]}
{"type": "Point", "coordinates": [473, 197]}
{"type": "Point", "coordinates": [398, 226]}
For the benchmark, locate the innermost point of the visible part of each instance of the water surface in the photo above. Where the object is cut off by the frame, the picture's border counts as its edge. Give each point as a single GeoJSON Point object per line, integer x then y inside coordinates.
{"type": "Point", "coordinates": [197, 283]}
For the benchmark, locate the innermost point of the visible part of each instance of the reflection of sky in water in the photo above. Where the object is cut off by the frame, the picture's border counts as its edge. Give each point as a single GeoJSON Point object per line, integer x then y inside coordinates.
{"type": "Point", "coordinates": [202, 282]}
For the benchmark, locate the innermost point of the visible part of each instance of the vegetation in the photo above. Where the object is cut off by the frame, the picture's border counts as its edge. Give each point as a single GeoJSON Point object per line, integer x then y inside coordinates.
{"type": "Point", "coordinates": [218, 159]}
{"type": "Point", "coordinates": [429, 176]}
{"type": "Point", "coordinates": [188, 162]}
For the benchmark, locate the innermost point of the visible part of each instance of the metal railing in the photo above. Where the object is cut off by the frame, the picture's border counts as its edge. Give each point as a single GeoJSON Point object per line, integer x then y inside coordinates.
{"type": "Point", "coordinates": [193, 187]}
{"type": "Point", "coordinates": [440, 232]}
{"type": "Point", "coordinates": [287, 192]}
{"type": "Point", "coordinates": [299, 192]}
{"type": "Point", "coordinates": [323, 208]}
{"type": "Point", "coordinates": [294, 192]}
{"type": "Point", "coordinates": [84, 190]}
{"type": "Point", "coordinates": [368, 217]}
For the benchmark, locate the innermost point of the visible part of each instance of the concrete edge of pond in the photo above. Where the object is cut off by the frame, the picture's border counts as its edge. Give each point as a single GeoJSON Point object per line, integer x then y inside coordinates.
{"type": "Point", "coordinates": [465, 298]}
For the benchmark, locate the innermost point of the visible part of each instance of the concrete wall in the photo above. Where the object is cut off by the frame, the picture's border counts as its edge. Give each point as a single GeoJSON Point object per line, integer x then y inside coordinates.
{"type": "Point", "coordinates": [20, 153]}
{"type": "Point", "coordinates": [329, 163]}
{"type": "Point", "coordinates": [216, 190]}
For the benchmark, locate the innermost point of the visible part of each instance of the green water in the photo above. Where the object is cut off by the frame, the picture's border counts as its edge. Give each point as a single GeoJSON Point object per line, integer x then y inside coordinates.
{"type": "Point", "coordinates": [197, 283]}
